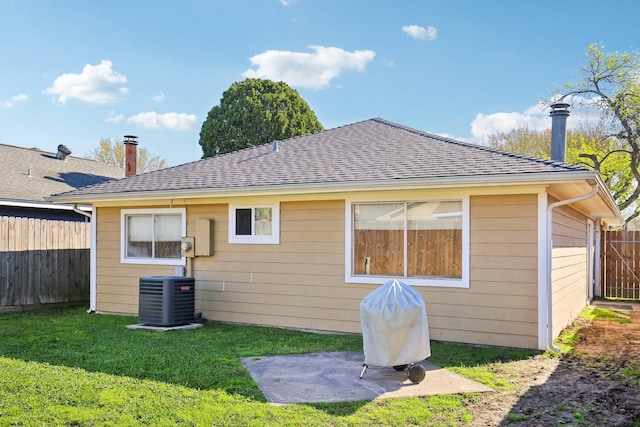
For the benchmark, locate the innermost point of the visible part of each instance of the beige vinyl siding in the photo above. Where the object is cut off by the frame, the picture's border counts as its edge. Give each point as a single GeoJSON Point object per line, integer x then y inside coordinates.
{"type": "Point", "coordinates": [500, 306]}
{"type": "Point", "coordinates": [300, 283]}
{"type": "Point", "coordinates": [116, 283]}
{"type": "Point", "coordinates": [569, 266]}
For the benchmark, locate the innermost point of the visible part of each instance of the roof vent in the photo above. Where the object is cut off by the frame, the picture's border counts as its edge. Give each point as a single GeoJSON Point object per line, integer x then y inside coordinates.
{"type": "Point", "coordinates": [63, 152]}
{"type": "Point", "coordinates": [274, 146]}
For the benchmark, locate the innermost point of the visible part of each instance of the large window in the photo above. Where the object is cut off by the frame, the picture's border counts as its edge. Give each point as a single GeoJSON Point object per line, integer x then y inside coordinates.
{"type": "Point", "coordinates": [423, 242]}
{"type": "Point", "coordinates": [152, 236]}
{"type": "Point", "coordinates": [254, 223]}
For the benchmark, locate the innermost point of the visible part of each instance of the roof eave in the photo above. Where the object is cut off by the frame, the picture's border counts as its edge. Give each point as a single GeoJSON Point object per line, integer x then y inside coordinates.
{"type": "Point", "coordinates": [617, 220]}
{"type": "Point", "coordinates": [332, 187]}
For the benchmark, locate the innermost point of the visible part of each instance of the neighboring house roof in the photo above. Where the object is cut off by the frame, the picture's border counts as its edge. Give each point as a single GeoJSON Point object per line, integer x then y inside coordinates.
{"type": "Point", "coordinates": [371, 153]}
{"type": "Point", "coordinates": [29, 175]}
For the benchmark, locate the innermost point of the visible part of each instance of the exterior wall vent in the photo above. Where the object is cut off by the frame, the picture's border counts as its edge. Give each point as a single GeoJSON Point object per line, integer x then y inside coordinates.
{"type": "Point", "coordinates": [166, 300]}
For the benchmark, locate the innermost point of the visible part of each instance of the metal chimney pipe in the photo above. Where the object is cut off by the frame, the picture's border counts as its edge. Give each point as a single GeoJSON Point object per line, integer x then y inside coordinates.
{"type": "Point", "coordinates": [559, 113]}
{"type": "Point", "coordinates": [131, 155]}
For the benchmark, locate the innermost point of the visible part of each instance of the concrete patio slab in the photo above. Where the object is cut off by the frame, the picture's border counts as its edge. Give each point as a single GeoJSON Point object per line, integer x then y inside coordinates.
{"type": "Point", "coordinates": [335, 377]}
{"type": "Point", "coordinates": [616, 305]}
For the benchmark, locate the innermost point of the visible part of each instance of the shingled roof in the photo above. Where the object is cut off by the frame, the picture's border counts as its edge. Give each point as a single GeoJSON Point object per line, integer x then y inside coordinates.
{"type": "Point", "coordinates": [30, 175]}
{"type": "Point", "coordinates": [363, 153]}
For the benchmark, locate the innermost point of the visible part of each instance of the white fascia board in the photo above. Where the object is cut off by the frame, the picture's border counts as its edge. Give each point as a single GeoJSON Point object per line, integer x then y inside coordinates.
{"type": "Point", "coordinates": [339, 187]}
{"type": "Point", "coordinates": [39, 205]}
{"type": "Point", "coordinates": [609, 200]}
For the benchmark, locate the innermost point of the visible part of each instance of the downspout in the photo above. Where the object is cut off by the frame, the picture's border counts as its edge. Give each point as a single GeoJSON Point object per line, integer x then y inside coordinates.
{"type": "Point", "coordinates": [81, 212]}
{"type": "Point", "coordinates": [597, 277]}
{"type": "Point", "coordinates": [92, 258]}
{"type": "Point", "coordinates": [550, 208]}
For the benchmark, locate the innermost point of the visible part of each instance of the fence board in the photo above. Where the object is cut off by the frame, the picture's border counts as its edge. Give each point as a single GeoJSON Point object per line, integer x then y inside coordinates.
{"type": "Point", "coordinates": [43, 262]}
{"type": "Point", "coordinates": [621, 264]}
{"type": "Point", "coordinates": [430, 253]}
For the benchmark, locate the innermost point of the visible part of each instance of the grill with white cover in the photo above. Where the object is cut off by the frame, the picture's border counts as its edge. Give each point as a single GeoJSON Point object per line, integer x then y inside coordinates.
{"type": "Point", "coordinates": [395, 331]}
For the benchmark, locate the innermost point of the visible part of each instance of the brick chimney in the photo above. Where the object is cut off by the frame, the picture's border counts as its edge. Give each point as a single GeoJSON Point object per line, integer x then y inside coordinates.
{"type": "Point", "coordinates": [131, 155]}
{"type": "Point", "coordinates": [559, 113]}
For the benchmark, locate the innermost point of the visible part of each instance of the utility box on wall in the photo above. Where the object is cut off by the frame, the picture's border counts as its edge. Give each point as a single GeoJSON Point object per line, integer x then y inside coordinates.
{"type": "Point", "coordinates": [204, 237]}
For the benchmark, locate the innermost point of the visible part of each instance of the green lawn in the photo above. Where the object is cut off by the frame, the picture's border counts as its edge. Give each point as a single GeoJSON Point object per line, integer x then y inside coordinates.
{"type": "Point", "coordinates": [66, 367]}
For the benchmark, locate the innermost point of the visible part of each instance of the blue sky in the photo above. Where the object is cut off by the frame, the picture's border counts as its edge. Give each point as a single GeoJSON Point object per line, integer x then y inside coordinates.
{"type": "Point", "coordinates": [73, 72]}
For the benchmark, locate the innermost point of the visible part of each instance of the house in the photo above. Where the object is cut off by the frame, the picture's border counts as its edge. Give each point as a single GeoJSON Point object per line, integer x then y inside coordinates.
{"type": "Point", "coordinates": [28, 175]}
{"type": "Point", "coordinates": [44, 247]}
{"type": "Point", "coordinates": [502, 247]}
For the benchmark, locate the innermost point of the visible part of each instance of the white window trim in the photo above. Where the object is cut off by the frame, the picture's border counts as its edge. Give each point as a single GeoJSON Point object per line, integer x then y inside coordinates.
{"type": "Point", "coordinates": [273, 239]}
{"type": "Point", "coordinates": [463, 282]}
{"type": "Point", "coordinates": [155, 261]}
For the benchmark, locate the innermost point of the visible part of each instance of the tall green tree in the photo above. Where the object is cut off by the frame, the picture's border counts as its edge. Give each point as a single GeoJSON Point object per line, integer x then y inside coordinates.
{"type": "Point", "coordinates": [113, 153]}
{"type": "Point", "coordinates": [612, 82]}
{"type": "Point", "coordinates": [586, 145]}
{"type": "Point", "coordinates": [255, 112]}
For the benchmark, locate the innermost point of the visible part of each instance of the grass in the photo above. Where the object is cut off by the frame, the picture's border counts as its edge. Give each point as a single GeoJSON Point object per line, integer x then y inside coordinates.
{"type": "Point", "coordinates": [567, 339]}
{"type": "Point", "coordinates": [632, 373]}
{"type": "Point", "coordinates": [594, 313]}
{"type": "Point", "coordinates": [66, 367]}
{"type": "Point", "coordinates": [516, 417]}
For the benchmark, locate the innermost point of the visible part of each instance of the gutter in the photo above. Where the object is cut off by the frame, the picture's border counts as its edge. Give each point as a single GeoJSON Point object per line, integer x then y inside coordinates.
{"type": "Point", "coordinates": [332, 187]}
{"type": "Point", "coordinates": [80, 211]}
{"type": "Point", "coordinates": [36, 205]}
{"type": "Point", "coordinates": [549, 284]}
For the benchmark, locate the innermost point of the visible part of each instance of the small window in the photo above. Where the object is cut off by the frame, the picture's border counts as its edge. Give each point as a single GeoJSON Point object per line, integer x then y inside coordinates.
{"type": "Point", "coordinates": [254, 224]}
{"type": "Point", "coordinates": [152, 236]}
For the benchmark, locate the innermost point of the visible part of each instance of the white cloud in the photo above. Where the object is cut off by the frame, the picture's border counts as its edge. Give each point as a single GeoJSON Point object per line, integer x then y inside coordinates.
{"type": "Point", "coordinates": [307, 70]}
{"type": "Point", "coordinates": [421, 33]}
{"type": "Point", "coordinates": [97, 84]}
{"type": "Point", "coordinates": [17, 99]}
{"type": "Point", "coordinates": [173, 121]}
{"type": "Point", "coordinates": [535, 117]}
{"type": "Point", "coordinates": [486, 124]}
{"type": "Point", "coordinates": [159, 97]}
{"type": "Point", "coordinates": [114, 118]}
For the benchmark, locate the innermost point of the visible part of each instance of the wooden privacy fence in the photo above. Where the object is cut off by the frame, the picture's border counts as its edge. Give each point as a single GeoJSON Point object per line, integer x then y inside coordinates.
{"type": "Point", "coordinates": [620, 264]}
{"type": "Point", "coordinates": [43, 262]}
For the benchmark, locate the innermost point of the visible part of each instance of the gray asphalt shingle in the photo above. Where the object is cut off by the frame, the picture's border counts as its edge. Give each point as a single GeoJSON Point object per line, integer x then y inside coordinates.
{"type": "Point", "coordinates": [367, 151]}
{"type": "Point", "coordinates": [28, 174]}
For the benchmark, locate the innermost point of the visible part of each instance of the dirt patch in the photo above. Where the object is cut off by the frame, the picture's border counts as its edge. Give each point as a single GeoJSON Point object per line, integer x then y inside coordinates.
{"type": "Point", "coordinates": [598, 384]}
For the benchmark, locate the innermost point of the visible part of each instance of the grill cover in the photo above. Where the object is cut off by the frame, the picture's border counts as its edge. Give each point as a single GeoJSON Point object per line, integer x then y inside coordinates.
{"type": "Point", "coordinates": [394, 325]}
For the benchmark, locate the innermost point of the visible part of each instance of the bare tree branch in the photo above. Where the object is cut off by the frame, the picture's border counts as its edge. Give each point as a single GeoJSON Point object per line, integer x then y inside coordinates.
{"type": "Point", "coordinates": [610, 81]}
{"type": "Point", "coordinates": [113, 153]}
